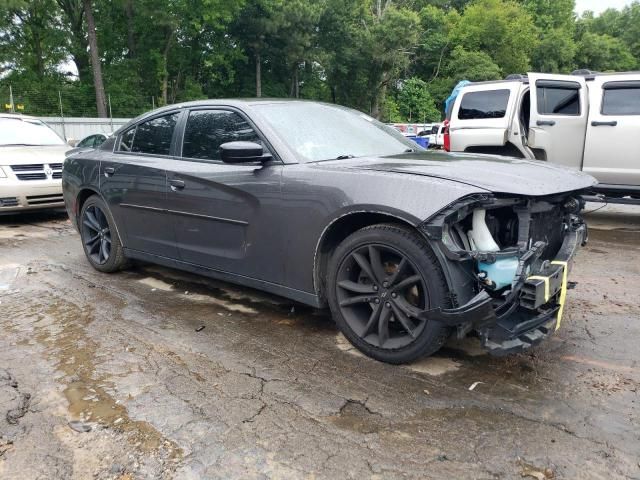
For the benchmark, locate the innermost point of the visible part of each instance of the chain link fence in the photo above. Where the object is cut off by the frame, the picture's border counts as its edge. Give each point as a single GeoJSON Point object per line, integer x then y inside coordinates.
{"type": "Point", "coordinates": [70, 101]}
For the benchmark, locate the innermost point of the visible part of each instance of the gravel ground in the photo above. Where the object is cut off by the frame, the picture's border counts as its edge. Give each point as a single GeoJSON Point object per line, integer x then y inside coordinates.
{"type": "Point", "coordinates": [153, 373]}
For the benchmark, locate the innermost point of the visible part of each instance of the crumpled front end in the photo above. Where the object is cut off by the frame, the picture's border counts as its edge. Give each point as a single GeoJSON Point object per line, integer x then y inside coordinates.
{"type": "Point", "coordinates": [507, 260]}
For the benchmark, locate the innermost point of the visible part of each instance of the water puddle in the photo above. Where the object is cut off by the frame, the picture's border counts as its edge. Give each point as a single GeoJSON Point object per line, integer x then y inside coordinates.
{"type": "Point", "coordinates": [62, 330]}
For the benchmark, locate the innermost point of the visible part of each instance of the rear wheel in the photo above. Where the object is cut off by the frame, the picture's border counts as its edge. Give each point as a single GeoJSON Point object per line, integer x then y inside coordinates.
{"type": "Point", "coordinates": [380, 279]}
{"type": "Point", "coordinates": [99, 237]}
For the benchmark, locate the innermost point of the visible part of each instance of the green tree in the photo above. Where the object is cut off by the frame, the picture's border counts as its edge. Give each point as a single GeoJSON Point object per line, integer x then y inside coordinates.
{"type": "Point", "coordinates": [415, 102]}
{"type": "Point", "coordinates": [31, 37]}
{"type": "Point", "coordinates": [555, 20]}
{"type": "Point", "coordinates": [602, 52]}
{"type": "Point", "coordinates": [475, 66]}
{"type": "Point", "coordinates": [503, 29]}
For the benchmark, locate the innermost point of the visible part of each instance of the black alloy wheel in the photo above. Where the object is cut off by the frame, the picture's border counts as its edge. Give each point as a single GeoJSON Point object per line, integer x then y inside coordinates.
{"type": "Point", "coordinates": [96, 235]}
{"type": "Point", "coordinates": [99, 236]}
{"type": "Point", "coordinates": [381, 293]}
{"type": "Point", "coordinates": [380, 279]}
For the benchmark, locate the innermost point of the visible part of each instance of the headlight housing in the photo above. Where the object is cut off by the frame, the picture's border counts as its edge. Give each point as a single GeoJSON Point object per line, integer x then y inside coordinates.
{"type": "Point", "coordinates": [2, 174]}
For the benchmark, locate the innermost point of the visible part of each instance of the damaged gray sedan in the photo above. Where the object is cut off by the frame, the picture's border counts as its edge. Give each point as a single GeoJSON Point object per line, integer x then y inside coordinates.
{"type": "Point", "coordinates": [326, 206]}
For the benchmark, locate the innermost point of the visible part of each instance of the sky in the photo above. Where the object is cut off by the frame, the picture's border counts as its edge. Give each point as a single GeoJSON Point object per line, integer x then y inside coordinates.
{"type": "Point", "coordinates": [599, 6]}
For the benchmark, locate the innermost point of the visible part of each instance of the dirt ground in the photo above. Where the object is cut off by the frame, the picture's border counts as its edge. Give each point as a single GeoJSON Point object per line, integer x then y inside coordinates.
{"type": "Point", "coordinates": [153, 373]}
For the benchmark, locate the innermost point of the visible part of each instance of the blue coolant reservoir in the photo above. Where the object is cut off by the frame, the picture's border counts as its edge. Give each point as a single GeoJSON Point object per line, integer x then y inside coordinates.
{"type": "Point", "coordinates": [502, 272]}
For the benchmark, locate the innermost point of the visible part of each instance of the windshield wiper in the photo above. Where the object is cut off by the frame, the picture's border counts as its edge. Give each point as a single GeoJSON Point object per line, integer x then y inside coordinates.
{"type": "Point", "coordinates": [344, 157]}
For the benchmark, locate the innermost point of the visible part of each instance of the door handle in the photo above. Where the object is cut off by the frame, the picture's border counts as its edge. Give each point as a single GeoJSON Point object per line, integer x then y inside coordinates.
{"type": "Point", "coordinates": [108, 171]}
{"type": "Point", "coordinates": [549, 123]}
{"type": "Point", "coordinates": [176, 184]}
{"type": "Point", "coordinates": [612, 123]}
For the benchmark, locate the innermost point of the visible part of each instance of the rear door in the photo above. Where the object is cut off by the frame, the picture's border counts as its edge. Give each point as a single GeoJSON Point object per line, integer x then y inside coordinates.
{"type": "Point", "coordinates": [558, 120]}
{"type": "Point", "coordinates": [482, 115]}
{"type": "Point", "coordinates": [612, 149]}
{"type": "Point", "coordinates": [134, 183]}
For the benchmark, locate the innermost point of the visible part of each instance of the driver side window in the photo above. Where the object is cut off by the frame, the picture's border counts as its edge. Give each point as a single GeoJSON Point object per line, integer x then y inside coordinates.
{"type": "Point", "coordinates": [206, 130]}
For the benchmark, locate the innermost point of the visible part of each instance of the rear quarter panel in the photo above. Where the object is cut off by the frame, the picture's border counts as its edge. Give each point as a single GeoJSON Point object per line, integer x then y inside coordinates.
{"type": "Point", "coordinates": [80, 171]}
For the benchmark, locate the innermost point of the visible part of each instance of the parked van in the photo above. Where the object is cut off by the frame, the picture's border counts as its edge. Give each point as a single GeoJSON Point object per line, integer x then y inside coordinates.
{"type": "Point", "coordinates": [587, 121]}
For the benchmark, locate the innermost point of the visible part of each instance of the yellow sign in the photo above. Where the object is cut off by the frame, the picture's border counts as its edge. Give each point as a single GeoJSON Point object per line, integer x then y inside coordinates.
{"type": "Point", "coordinates": [7, 106]}
{"type": "Point", "coordinates": [20, 106]}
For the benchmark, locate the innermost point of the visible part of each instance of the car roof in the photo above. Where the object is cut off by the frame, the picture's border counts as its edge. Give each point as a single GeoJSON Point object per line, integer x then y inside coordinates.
{"type": "Point", "coordinates": [219, 102]}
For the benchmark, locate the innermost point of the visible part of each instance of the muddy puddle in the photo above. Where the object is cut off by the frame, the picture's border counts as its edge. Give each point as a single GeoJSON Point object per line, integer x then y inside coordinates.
{"type": "Point", "coordinates": [61, 327]}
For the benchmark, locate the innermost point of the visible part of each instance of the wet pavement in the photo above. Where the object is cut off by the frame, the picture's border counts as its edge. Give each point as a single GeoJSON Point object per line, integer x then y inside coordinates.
{"type": "Point", "coordinates": [153, 373]}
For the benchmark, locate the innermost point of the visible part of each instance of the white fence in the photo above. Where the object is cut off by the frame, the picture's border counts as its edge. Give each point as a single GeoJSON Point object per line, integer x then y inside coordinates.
{"type": "Point", "coordinates": [79, 127]}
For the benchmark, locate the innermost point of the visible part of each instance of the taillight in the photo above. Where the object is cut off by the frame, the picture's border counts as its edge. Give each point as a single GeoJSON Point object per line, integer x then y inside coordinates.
{"type": "Point", "coordinates": [447, 138]}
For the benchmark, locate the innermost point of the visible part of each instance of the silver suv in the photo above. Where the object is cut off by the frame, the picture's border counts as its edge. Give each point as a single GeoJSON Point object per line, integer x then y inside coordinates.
{"type": "Point", "coordinates": [585, 121]}
{"type": "Point", "coordinates": [31, 158]}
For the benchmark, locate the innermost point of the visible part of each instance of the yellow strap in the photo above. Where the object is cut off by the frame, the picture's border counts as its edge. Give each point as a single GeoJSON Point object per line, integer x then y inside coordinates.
{"type": "Point", "coordinates": [546, 285]}
{"type": "Point", "coordinates": [563, 291]}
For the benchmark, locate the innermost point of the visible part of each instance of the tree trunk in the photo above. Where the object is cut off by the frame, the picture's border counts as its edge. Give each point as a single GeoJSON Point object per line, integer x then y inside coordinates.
{"type": "Point", "coordinates": [296, 80]}
{"type": "Point", "coordinates": [74, 11]}
{"type": "Point", "coordinates": [378, 100]}
{"type": "Point", "coordinates": [101, 102]}
{"type": "Point", "coordinates": [131, 39]}
{"type": "Point", "coordinates": [165, 72]}
{"type": "Point", "coordinates": [37, 51]}
{"type": "Point", "coordinates": [258, 75]}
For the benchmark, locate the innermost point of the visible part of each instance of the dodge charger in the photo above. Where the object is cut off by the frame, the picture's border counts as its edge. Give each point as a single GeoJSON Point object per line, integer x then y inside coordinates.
{"type": "Point", "coordinates": [329, 207]}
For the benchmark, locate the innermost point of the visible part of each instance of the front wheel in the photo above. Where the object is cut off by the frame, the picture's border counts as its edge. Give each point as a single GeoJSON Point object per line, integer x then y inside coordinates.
{"type": "Point", "coordinates": [379, 280]}
{"type": "Point", "coordinates": [99, 236]}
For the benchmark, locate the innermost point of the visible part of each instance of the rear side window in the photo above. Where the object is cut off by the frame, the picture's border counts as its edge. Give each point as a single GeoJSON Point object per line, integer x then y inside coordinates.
{"type": "Point", "coordinates": [558, 97]}
{"type": "Point", "coordinates": [154, 136]}
{"type": "Point", "coordinates": [621, 98]}
{"type": "Point", "coordinates": [479, 105]}
{"type": "Point", "coordinates": [206, 130]}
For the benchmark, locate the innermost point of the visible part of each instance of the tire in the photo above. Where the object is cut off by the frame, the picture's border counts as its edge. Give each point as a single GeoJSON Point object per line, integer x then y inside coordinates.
{"type": "Point", "coordinates": [100, 240]}
{"type": "Point", "coordinates": [407, 337]}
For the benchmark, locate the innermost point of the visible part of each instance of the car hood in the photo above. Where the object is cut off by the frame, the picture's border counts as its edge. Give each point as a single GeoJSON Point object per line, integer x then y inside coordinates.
{"type": "Point", "coordinates": [489, 172]}
{"type": "Point", "coordinates": [21, 155]}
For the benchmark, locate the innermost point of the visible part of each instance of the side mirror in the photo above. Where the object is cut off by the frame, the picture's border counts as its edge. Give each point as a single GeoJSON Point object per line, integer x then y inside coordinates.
{"type": "Point", "coordinates": [72, 142]}
{"type": "Point", "coordinates": [242, 152]}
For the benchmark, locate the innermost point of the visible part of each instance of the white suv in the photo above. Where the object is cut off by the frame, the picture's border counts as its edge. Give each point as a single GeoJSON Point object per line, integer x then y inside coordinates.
{"type": "Point", "coordinates": [31, 158]}
{"type": "Point", "coordinates": [586, 121]}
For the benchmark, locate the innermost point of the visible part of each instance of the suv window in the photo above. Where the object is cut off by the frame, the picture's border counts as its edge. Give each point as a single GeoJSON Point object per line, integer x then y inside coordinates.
{"type": "Point", "coordinates": [621, 98]}
{"type": "Point", "coordinates": [557, 97]}
{"type": "Point", "coordinates": [206, 130]}
{"type": "Point", "coordinates": [487, 104]}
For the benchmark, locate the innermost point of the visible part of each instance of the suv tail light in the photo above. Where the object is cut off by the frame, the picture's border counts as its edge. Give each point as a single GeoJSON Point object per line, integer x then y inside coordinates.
{"type": "Point", "coordinates": [447, 138]}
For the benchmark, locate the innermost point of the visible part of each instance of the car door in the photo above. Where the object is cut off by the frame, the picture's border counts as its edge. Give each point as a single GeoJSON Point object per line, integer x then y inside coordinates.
{"type": "Point", "coordinates": [222, 214]}
{"type": "Point", "coordinates": [482, 115]}
{"type": "Point", "coordinates": [558, 118]}
{"type": "Point", "coordinates": [612, 148]}
{"type": "Point", "coordinates": [134, 184]}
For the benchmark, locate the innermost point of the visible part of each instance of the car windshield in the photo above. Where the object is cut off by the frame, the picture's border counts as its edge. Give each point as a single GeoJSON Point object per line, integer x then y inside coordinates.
{"type": "Point", "coordinates": [27, 131]}
{"type": "Point", "coordinates": [324, 132]}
